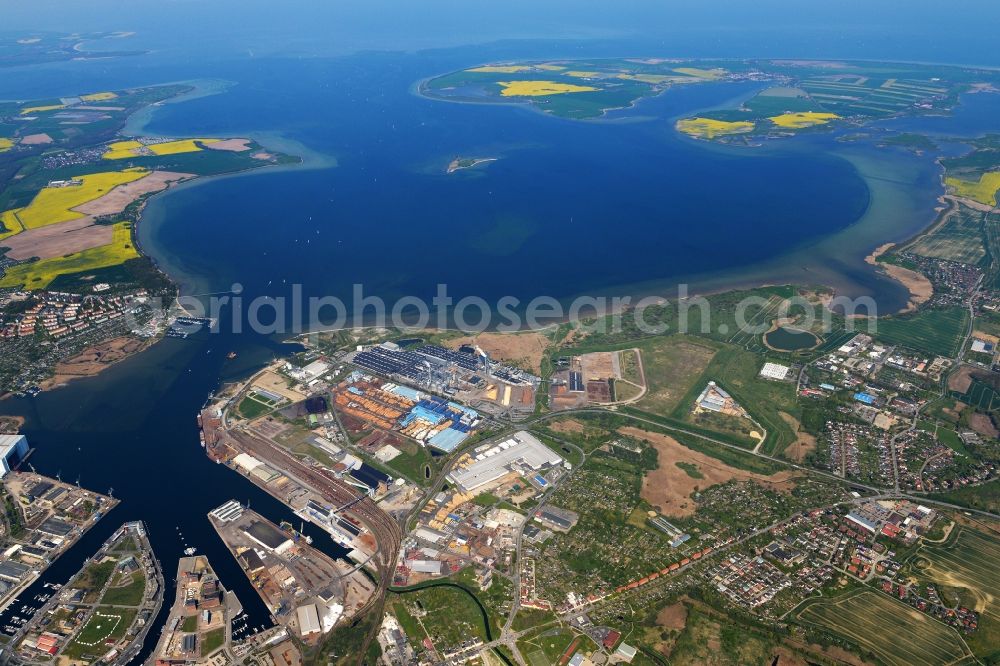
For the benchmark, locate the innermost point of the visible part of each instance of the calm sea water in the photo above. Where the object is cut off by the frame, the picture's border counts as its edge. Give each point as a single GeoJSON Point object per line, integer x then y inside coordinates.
{"type": "Point", "coordinates": [569, 208]}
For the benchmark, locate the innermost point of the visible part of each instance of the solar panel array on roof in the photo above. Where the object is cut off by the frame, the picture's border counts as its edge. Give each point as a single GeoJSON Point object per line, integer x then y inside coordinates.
{"type": "Point", "coordinates": [389, 362]}
{"type": "Point", "coordinates": [462, 360]}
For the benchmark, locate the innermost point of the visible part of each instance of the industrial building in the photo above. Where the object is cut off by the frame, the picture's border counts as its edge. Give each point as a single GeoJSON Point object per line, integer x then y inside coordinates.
{"type": "Point", "coordinates": [269, 536]}
{"type": "Point", "coordinates": [562, 520]}
{"type": "Point", "coordinates": [522, 452]}
{"type": "Point", "coordinates": [308, 619]}
{"type": "Point", "coordinates": [13, 448]}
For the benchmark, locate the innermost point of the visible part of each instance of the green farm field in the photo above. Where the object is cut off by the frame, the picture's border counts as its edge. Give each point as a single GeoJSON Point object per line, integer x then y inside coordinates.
{"type": "Point", "coordinates": [897, 634]}
{"type": "Point", "coordinates": [968, 560]}
{"type": "Point", "coordinates": [959, 238]}
{"type": "Point", "coordinates": [939, 331]}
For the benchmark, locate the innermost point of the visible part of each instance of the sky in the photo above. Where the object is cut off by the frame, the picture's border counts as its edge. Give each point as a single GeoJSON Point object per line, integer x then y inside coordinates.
{"type": "Point", "coordinates": [958, 31]}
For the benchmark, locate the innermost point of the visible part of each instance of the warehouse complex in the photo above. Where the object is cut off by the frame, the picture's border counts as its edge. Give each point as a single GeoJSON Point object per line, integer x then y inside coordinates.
{"type": "Point", "coordinates": [522, 453]}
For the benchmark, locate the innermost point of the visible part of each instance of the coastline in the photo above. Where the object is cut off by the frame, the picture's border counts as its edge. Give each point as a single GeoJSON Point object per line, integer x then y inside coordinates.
{"type": "Point", "coordinates": [800, 266]}
{"type": "Point", "coordinates": [921, 289]}
{"type": "Point", "coordinates": [119, 347]}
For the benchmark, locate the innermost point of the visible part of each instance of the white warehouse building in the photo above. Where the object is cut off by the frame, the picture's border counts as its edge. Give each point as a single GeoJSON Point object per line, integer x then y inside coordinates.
{"type": "Point", "coordinates": [13, 448]}
{"type": "Point", "coordinates": [522, 450]}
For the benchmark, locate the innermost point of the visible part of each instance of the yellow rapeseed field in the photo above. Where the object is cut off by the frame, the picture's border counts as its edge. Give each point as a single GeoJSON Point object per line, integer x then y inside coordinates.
{"type": "Point", "coordinates": [98, 97]}
{"type": "Point", "coordinates": [539, 88]}
{"type": "Point", "coordinates": [5, 144]}
{"type": "Point", "coordinates": [39, 109]}
{"type": "Point", "coordinates": [179, 146]}
{"type": "Point", "coordinates": [119, 150]}
{"type": "Point", "coordinates": [500, 69]}
{"type": "Point", "coordinates": [802, 119]}
{"type": "Point", "coordinates": [10, 224]}
{"type": "Point", "coordinates": [984, 190]}
{"type": "Point", "coordinates": [53, 204]}
{"type": "Point", "coordinates": [709, 128]}
{"type": "Point", "coordinates": [39, 274]}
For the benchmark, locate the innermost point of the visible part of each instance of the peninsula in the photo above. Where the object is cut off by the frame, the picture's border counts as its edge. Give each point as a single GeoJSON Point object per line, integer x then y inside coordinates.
{"type": "Point", "coordinates": [76, 292]}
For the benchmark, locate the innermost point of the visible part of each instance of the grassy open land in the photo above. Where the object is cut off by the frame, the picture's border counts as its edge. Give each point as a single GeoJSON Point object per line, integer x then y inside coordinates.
{"type": "Point", "coordinates": [708, 638]}
{"type": "Point", "coordinates": [411, 463]}
{"type": "Point", "coordinates": [93, 579]}
{"type": "Point", "coordinates": [129, 594]}
{"type": "Point", "coordinates": [968, 560]}
{"type": "Point", "coordinates": [107, 623]}
{"type": "Point", "coordinates": [690, 469]}
{"type": "Point", "coordinates": [447, 615]}
{"type": "Point", "coordinates": [251, 408]}
{"type": "Point", "coordinates": [959, 237]}
{"type": "Point", "coordinates": [983, 190]}
{"type": "Point", "coordinates": [672, 365]}
{"type": "Point", "coordinates": [938, 331]}
{"type": "Point", "coordinates": [527, 618]}
{"type": "Point", "coordinates": [914, 142]}
{"type": "Point", "coordinates": [39, 274]}
{"type": "Point", "coordinates": [546, 646]}
{"type": "Point", "coordinates": [213, 640]}
{"type": "Point", "coordinates": [190, 624]}
{"type": "Point", "coordinates": [345, 643]}
{"type": "Point", "coordinates": [889, 629]}
{"type": "Point", "coordinates": [985, 497]}
{"type": "Point", "coordinates": [950, 438]}
{"type": "Point", "coordinates": [737, 371]}
{"type": "Point", "coordinates": [591, 431]}
{"type": "Point", "coordinates": [496, 600]}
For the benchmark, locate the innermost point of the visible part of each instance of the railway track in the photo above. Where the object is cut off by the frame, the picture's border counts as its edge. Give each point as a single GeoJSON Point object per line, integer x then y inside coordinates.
{"type": "Point", "coordinates": [386, 531]}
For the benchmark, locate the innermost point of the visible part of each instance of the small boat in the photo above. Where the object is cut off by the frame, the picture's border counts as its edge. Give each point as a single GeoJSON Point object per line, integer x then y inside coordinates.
{"type": "Point", "coordinates": [190, 551]}
{"type": "Point", "coordinates": [231, 355]}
